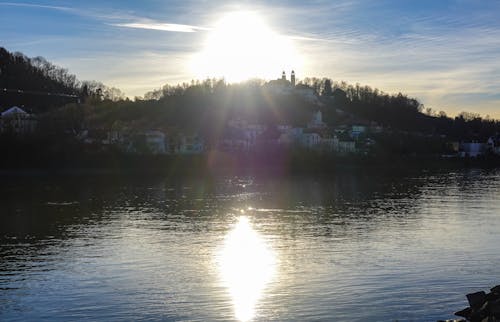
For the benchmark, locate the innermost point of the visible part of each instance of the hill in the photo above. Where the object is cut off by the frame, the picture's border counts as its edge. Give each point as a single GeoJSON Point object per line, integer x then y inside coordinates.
{"type": "Point", "coordinates": [39, 86]}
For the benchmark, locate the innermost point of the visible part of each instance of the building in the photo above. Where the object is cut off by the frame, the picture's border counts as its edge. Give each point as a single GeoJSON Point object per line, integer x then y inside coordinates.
{"type": "Point", "coordinates": [310, 140]}
{"type": "Point", "coordinates": [146, 142]}
{"type": "Point", "coordinates": [346, 147]}
{"type": "Point", "coordinates": [471, 149]}
{"type": "Point", "coordinates": [239, 135]}
{"type": "Point", "coordinates": [330, 144]}
{"type": "Point", "coordinates": [190, 144]}
{"type": "Point", "coordinates": [493, 144]}
{"type": "Point", "coordinates": [155, 141]}
{"type": "Point", "coordinates": [316, 121]}
{"type": "Point", "coordinates": [357, 130]}
{"type": "Point", "coordinates": [16, 120]}
{"type": "Point", "coordinates": [238, 123]}
{"type": "Point", "coordinates": [283, 86]}
{"type": "Point", "coordinates": [290, 135]}
{"type": "Point", "coordinates": [235, 139]}
{"type": "Point", "coordinates": [280, 86]}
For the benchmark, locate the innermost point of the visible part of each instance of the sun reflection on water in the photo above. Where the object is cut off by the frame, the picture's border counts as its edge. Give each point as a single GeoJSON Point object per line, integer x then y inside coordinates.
{"type": "Point", "coordinates": [246, 266]}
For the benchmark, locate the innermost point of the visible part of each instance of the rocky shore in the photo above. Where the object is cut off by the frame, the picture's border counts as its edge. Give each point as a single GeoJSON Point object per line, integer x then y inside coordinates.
{"type": "Point", "coordinates": [484, 307]}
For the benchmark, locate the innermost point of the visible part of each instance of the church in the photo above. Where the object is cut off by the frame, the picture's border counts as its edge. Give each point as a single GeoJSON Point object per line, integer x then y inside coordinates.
{"type": "Point", "coordinates": [282, 85]}
{"type": "Point", "coordinates": [292, 78]}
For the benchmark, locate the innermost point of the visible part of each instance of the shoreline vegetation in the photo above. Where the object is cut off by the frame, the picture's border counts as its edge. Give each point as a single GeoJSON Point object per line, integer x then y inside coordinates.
{"type": "Point", "coordinates": [272, 162]}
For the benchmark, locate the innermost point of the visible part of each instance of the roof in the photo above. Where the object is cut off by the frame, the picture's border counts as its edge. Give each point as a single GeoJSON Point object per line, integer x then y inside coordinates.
{"type": "Point", "coordinates": [14, 110]}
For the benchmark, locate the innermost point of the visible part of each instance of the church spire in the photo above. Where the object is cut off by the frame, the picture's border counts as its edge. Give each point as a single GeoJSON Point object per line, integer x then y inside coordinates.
{"type": "Point", "coordinates": [283, 76]}
{"type": "Point", "coordinates": [292, 78]}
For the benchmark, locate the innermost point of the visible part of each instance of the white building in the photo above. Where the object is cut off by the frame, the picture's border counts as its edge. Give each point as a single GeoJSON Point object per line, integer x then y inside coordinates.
{"type": "Point", "coordinates": [330, 144]}
{"type": "Point", "coordinates": [493, 144]}
{"type": "Point", "coordinates": [283, 128]}
{"type": "Point", "coordinates": [16, 120]}
{"type": "Point", "coordinates": [235, 139]}
{"type": "Point", "coordinates": [345, 147]}
{"type": "Point", "coordinates": [240, 135]}
{"type": "Point", "coordinates": [316, 121]}
{"type": "Point", "coordinates": [310, 140]}
{"type": "Point", "coordinates": [357, 130]}
{"type": "Point", "coordinates": [190, 144]}
{"type": "Point", "coordinates": [471, 149]}
{"type": "Point", "coordinates": [155, 141]}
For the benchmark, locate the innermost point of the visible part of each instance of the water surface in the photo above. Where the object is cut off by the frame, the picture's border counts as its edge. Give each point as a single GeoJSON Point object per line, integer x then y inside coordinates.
{"type": "Point", "coordinates": [356, 246]}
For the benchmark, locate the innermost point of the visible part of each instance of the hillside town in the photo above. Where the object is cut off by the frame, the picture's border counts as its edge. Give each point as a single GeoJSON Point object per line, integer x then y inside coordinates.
{"type": "Point", "coordinates": [239, 135]}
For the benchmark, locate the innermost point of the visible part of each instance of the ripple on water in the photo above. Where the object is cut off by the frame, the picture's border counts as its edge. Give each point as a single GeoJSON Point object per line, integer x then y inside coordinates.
{"type": "Point", "coordinates": [357, 247]}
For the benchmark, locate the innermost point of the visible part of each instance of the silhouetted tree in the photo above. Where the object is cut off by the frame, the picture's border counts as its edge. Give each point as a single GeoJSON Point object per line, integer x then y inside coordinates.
{"type": "Point", "coordinates": [40, 85]}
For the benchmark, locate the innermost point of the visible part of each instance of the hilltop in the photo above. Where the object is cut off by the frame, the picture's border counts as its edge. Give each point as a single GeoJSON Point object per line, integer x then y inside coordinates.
{"type": "Point", "coordinates": [40, 86]}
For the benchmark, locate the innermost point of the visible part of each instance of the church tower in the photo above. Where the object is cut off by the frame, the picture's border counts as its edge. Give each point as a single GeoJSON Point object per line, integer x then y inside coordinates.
{"type": "Point", "coordinates": [292, 78]}
{"type": "Point", "coordinates": [283, 76]}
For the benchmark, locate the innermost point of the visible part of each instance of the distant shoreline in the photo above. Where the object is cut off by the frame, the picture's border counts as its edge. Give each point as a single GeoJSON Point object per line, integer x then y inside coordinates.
{"type": "Point", "coordinates": [271, 162]}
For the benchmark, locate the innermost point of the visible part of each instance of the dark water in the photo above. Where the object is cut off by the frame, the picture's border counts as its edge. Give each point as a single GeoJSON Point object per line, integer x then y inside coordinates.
{"type": "Point", "coordinates": [357, 246]}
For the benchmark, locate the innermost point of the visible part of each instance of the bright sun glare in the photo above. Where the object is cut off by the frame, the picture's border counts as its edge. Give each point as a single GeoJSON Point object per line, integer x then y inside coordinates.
{"type": "Point", "coordinates": [242, 46]}
{"type": "Point", "coordinates": [246, 266]}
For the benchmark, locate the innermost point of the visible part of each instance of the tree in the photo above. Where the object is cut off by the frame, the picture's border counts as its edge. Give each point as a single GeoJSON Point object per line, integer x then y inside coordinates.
{"type": "Point", "coordinates": [327, 87]}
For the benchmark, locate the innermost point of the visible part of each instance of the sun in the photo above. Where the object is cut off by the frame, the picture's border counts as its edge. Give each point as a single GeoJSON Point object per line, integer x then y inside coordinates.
{"type": "Point", "coordinates": [242, 46]}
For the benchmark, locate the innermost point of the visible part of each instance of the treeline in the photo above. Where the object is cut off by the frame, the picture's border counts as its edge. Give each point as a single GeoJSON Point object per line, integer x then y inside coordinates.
{"type": "Point", "coordinates": [200, 107]}
{"type": "Point", "coordinates": [341, 103]}
{"type": "Point", "coordinates": [390, 110]}
{"type": "Point", "coordinates": [206, 106]}
{"type": "Point", "coordinates": [39, 85]}
{"type": "Point", "coordinates": [399, 112]}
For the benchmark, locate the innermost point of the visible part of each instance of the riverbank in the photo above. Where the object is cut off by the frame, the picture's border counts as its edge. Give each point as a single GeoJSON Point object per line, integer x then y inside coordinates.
{"type": "Point", "coordinates": [277, 162]}
{"type": "Point", "coordinates": [484, 307]}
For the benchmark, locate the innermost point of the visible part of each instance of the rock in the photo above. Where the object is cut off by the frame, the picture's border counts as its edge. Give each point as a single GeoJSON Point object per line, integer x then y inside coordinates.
{"type": "Point", "coordinates": [464, 313]}
{"type": "Point", "coordinates": [477, 316]}
{"type": "Point", "coordinates": [476, 300]}
{"type": "Point", "coordinates": [494, 308]}
{"type": "Point", "coordinates": [489, 319]}
{"type": "Point", "coordinates": [492, 296]}
{"type": "Point", "coordinates": [495, 289]}
{"type": "Point", "coordinates": [483, 307]}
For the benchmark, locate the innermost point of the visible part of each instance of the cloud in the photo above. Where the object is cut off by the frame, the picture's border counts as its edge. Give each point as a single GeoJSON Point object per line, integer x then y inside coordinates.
{"type": "Point", "coordinates": [135, 73]}
{"type": "Point", "coordinates": [442, 57]}
{"type": "Point", "coordinates": [139, 23]}
{"type": "Point", "coordinates": [33, 5]}
{"type": "Point", "coordinates": [87, 13]}
{"type": "Point", "coordinates": [305, 38]}
{"type": "Point", "coordinates": [444, 53]}
{"type": "Point", "coordinates": [160, 26]}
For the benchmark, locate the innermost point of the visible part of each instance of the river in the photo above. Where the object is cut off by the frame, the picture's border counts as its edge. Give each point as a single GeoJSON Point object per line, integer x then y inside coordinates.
{"type": "Point", "coordinates": [355, 246]}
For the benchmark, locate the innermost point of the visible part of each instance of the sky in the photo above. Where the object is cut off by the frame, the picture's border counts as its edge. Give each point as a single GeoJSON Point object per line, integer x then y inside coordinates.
{"type": "Point", "coordinates": [445, 53]}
